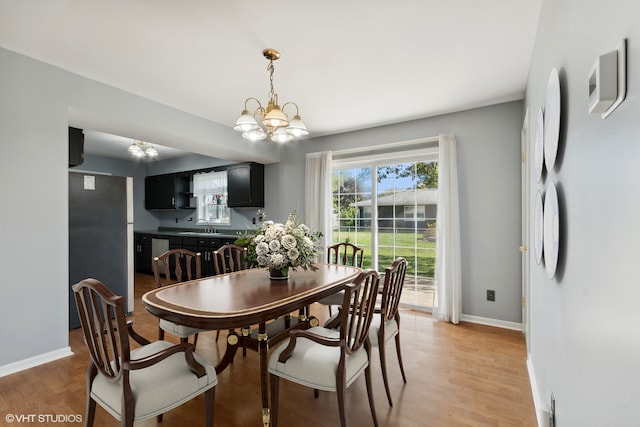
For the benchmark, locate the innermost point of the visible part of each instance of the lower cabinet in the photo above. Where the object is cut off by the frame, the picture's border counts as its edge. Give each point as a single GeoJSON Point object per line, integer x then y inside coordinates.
{"type": "Point", "coordinates": [142, 258]}
{"type": "Point", "coordinates": [204, 245]}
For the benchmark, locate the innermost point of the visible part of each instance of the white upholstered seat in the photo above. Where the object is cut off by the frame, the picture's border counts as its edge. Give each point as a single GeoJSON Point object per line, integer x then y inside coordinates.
{"type": "Point", "coordinates": [329, 359]}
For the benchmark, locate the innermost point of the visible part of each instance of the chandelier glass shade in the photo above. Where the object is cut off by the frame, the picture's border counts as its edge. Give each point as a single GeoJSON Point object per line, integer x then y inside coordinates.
{"type": "Point", "coordinates": [141, 149]}
{"type": "Point", "coordinates": [275, 123]}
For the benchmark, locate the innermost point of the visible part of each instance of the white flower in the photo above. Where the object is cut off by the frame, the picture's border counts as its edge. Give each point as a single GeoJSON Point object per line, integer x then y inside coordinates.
{"type": "Point", "coordinates": [278, 245]}
{"type": "Point", "coordinates": [274, 245]}
{"type": "Point", "coordinates": [278, 261]}
{"type": "Point", "coordinates": [274, 232]}
{"type": "Point", "coordinates": [262, 248]}
{"type": "Point", "coordinates": [308, 242]}
{"type": "Point", "coordinates": [288, 241]}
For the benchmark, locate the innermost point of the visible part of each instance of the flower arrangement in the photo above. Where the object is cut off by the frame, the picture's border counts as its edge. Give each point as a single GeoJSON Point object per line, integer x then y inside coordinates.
{"type": "Point", "coordinates": [277, 246]}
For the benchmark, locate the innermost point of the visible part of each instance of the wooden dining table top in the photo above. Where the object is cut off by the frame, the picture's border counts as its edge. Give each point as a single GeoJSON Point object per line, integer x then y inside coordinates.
{"type": "Point", "coordinates": [245, 297]}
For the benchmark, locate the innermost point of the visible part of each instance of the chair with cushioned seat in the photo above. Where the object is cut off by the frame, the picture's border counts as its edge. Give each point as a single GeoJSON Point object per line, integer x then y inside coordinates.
{"type": "Point", "coordinates": [227, 259]}
{"type": "Point", "coordinates": [135, 384]}
{"type": "Point", "coordinates": [386, 321]}
{"type": "Point", "coordinates": [329, 359]}
{"type": "Point", "coordinates": [344, 253]}
{"type": "Point", "coordinates": [173, 266]}
{"type": "Point", "coordinates": [230, 258]}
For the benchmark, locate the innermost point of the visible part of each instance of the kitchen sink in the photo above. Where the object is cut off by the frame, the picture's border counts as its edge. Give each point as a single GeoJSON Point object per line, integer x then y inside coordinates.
{"type": "Point", "coordinates": [198, 233]}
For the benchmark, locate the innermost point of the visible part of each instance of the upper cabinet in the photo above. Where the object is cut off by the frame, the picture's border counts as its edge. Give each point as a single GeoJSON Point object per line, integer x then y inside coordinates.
{"type": "Point", "coordinates": [245, 185]}
{"type": "Point", "coordinates": [170, 191]}
{"type": "Point", "coordinates": [76, 146]}
{"type": "Point", "coordinates": [245, 188]}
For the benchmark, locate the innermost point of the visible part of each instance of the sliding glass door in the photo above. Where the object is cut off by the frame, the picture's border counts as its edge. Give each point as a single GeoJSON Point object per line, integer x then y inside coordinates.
{"type": "Point", "coordinates": [389, 209]}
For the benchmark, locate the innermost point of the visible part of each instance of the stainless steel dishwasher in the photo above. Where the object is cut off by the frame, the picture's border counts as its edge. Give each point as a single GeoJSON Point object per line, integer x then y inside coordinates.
{"type": "Point", "coordinates": [159, 246]}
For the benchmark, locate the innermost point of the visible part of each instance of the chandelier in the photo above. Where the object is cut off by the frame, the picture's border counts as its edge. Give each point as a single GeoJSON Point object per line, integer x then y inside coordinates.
{"type": "Point", "coordinates": [141, 149]}
{"type": "Point", "coordinates": [275, 123]}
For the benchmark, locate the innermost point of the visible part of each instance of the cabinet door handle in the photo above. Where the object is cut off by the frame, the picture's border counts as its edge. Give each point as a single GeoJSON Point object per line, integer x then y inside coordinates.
{"type": "Point", "coordinates": [173, 201]}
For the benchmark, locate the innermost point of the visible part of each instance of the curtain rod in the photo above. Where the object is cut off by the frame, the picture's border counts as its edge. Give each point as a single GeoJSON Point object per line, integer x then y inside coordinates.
{"type": "Point", "coordinates": [402, 144]}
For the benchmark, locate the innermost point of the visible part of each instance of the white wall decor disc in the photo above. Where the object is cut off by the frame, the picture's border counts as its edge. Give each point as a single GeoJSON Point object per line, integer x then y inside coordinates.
{"type": "Point", "coordinates": [552, 120]}
{"type": "Point", "coordinates": [538, 227]}
{"type": "Point", "coordinates": [538, 154]}
{"type": "Point", "coordinates": [551, 238]}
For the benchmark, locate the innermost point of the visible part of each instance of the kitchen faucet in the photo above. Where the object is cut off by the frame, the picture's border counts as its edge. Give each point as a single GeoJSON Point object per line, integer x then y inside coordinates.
{"type": "Point", "coordinates": [205, 223]}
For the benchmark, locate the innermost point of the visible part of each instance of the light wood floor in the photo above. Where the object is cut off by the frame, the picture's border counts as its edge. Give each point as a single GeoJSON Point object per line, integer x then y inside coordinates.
{"type": "Point", "coordinates": [457, 375]}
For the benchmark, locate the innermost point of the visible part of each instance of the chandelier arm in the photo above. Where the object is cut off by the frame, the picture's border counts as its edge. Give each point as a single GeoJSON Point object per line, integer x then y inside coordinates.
{"type": "Point", "coordinates": [246, 102]}
{"type": "Point", "coordinates": [292, 103]}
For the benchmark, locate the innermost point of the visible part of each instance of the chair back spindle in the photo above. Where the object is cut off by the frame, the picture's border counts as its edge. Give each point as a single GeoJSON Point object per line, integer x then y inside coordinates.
{"type": "Point", "coordinates": [392, 289]}
{"type": "Point", "coordinates": [174, 258]}
{"type": "Point", "coordinates": [345, 254]}
{"type": "Point", "coordinates": [230, 258]}
{"type": "Point", "coordinates": [359, 301]}
{"type": "Point", "coordinates": [104, 326]}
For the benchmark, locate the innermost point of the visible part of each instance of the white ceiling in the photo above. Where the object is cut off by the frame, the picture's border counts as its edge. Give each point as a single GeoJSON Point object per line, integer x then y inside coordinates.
{"type": "Point", "coordinates": [347, 64]}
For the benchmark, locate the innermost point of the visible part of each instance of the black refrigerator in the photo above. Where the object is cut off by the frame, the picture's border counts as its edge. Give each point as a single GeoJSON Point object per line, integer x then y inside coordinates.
{"type": "Point", "coordinates": [100, 235]}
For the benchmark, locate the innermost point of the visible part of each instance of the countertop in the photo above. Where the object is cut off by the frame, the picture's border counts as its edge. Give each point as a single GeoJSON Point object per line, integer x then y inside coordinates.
{"type": "Point", "coordinates": [181, 232]}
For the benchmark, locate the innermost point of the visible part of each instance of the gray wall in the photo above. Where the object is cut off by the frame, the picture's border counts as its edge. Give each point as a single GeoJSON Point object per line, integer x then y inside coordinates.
{"type": "Point", "coordinates": [585, 323]}
{"type": "Point", "coordinates": [488, 141]}
{"type": "Point", "coordinates": [37, 104]}
{"type": "Point", "coordinates": [39, 101]}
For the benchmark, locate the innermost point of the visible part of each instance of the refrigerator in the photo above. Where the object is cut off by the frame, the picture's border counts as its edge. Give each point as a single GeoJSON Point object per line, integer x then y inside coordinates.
{"type": "Point", "coordinates": [101, 235]}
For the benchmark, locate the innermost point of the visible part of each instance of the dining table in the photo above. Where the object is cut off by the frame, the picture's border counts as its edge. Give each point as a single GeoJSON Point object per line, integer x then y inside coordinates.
{"type": "Point", "coordinates": [236, 301]}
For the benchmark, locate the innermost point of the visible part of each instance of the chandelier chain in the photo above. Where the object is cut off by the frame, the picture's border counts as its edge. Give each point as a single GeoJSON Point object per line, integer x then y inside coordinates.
{"type": "Point", "coordinates": [271, 68]}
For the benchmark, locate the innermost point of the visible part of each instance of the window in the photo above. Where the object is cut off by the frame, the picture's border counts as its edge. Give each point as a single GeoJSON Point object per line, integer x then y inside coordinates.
{"type": "Point", "coordinates": [387, 204]}
{"type": "Point", "coordinates": [414, 213]}
{"type": "Point", "coordinates": [210, 191]}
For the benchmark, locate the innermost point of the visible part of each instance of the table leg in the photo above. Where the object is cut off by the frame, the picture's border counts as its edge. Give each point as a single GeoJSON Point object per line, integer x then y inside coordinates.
{"type": "Point", "coordinates": [263, 348]}
{"type": "Point", "coordinates": [229, 353]}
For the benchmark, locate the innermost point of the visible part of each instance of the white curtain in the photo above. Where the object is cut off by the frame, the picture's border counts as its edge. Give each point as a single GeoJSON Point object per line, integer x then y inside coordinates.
{"type": "Point", "coordinates": [207, 188]}
{"type": "Point", "coordinates": [447, 269]}
{"type": "Point", "coordinates": [318, 206]}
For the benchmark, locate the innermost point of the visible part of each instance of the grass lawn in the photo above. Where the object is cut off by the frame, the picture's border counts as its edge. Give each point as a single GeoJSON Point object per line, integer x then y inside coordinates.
{"type": "Point", "coordinates": [419, 252]}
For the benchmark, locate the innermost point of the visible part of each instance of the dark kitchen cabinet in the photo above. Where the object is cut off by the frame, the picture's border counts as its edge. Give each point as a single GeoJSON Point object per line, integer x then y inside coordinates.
{"type": "Point", "coordinates": [143, 254]}
{"type": "Point", "coordinates": [184, 190]}
{"type": "Point", "coordinates": [169, 191]}
{"type": "Point", "coordinates": [206, 246]}
{"type": "Point", "coordinates": [245, 185]}
{"type": "Point", "coordinates": [160, 192]}
{"type": "Point", "coordinates": [76, 147]}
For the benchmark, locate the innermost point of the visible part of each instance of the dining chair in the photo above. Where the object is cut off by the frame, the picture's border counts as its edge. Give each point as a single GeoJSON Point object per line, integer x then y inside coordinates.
{"type": "Point", "coordinates": [168, 270]}
{"type": "Point", "coordinates": [343, 253]}
{"type": "Point", "coordinates": [230, 258]}
{"type": "Point", "coordinates": [329, 359]}
{"type": "Point", "coordinates": [386, 322]}
{"type": "Point", "coordinates": [227, 259]}
{"type": "Point", "coordinates": [135, 384]}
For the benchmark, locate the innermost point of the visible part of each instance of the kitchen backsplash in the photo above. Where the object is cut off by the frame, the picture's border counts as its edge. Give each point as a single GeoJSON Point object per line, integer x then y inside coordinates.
{"type": "Point", "coordinates": [241, 219]}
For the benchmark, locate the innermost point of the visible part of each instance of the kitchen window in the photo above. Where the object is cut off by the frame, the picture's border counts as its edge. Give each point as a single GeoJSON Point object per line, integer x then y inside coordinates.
{"type": "Point", "coordinates": [210, 191]}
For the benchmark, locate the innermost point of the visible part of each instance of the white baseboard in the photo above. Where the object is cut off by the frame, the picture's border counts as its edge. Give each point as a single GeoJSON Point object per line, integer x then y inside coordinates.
{"type": "Point", "coordinates": [537, 403]}
{"type": "Point", "coordinates": [40, 359]}
{"type": "Point", "coordinates": [492, 322]}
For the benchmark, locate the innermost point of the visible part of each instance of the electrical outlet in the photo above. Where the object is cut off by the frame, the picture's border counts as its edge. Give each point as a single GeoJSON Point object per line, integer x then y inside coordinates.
{"type": "Point", "coordinates": [491, 295]}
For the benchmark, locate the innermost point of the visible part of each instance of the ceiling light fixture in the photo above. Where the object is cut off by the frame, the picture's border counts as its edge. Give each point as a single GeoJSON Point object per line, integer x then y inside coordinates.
{"type": "Point", "coordinates": [277, 124]}
{"type": "Point", "coordinates": [141, 149]}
